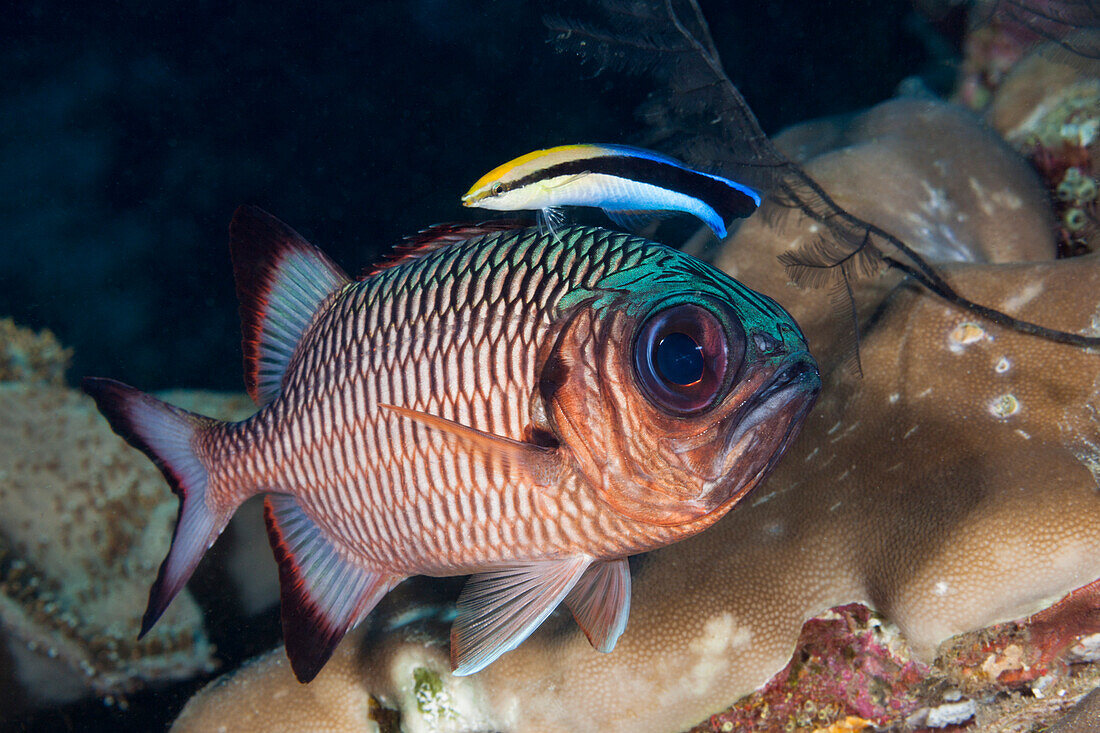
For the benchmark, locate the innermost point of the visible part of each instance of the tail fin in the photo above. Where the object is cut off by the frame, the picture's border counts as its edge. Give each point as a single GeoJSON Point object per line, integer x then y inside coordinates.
{"type": "Point", "coordinates": [165, 434]}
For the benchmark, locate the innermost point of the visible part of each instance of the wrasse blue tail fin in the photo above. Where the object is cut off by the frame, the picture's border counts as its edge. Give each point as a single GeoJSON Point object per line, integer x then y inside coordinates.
{"type": "Point", "coordinates": [166, 435]}
{"type": "Point", "coordinates": [323, 595]}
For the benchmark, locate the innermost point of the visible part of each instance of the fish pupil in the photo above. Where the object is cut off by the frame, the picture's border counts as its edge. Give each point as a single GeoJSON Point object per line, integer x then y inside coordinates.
{"type": "Point", "coordinates": [680, 359]}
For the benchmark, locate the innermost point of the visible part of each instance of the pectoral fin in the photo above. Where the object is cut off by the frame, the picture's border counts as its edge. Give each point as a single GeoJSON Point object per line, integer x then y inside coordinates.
{"type": "Point", "coordinates": [541, 463]}
{"type": "Point", "coordinates": [550, 220]}
{"type": "Point", "coordinates": [600, 602]}
{"type": "Point", "coordinates": [500, 608]}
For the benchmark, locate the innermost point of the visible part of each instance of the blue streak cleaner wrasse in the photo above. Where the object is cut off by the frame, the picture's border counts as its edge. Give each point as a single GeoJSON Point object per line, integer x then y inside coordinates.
{"type": "Point", "coordinates": [526, 408]}
{"type": "Point", "coordinates": [630, 184]}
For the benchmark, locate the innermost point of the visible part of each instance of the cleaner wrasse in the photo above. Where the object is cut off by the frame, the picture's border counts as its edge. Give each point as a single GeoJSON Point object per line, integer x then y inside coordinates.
{"type": "Point", "coordinates": [630, 184]}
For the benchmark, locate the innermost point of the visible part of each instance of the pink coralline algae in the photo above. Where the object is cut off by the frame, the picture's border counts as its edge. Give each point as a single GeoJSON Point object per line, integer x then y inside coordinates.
{"type": "Point", "coordinates": [847, 666]}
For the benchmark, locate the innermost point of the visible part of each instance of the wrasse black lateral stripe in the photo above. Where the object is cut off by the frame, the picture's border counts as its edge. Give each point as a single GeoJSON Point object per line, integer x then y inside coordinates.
{"type": "Point", "coordinates": [728, 201]}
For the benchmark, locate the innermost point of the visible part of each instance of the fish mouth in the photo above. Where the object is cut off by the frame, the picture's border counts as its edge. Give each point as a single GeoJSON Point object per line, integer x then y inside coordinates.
{"type": "Point", "coordinates": [769, 422]}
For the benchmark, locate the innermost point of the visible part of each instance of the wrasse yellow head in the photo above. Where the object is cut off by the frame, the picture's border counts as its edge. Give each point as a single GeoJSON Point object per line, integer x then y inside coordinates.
{"type": "Point", "coordinates": [504, 187]}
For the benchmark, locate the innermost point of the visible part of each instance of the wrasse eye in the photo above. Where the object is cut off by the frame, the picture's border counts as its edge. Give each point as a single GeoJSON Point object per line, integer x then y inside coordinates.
{"type": "Point", "coordinates": [496, 189]}
{"type": "Point", "coordinates": [682, 356]}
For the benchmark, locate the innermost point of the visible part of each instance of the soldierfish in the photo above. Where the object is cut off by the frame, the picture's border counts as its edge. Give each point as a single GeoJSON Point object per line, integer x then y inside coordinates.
{"type": "Point", "coordinates": [628, 183]}
{"type": "Point", "coordinates": [525, 408]}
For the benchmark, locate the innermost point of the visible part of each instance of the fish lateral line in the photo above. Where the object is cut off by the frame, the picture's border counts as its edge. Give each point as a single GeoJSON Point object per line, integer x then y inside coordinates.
{"type": "Point", "coordinates": [541, 462]}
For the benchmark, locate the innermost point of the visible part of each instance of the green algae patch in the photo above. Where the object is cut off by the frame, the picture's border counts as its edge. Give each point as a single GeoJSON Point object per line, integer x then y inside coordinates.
{"type": "Point", "coordinates": [432, 700]}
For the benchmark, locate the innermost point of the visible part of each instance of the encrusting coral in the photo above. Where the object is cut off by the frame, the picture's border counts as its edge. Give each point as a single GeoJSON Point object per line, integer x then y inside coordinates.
{"type": "Point", "coordinates": [1049, 109]}
{"type": "Point", "coordinates": [85, 522]}
{"type": "Point", "coordinates": [953, 487]}
{"type": "Point", "coordinates": [924, 171]}
{"type": "Point", "coordinates": [80, 532]}
{"type": "Point", "coordinates": [31, 356]}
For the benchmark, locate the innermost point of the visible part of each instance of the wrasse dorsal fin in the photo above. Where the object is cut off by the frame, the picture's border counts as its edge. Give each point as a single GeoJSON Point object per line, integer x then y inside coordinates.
{"type": "Point", "coordinates": [438, 236]}
{"type": "Point", "coordinates": [500, 608]}
{"type": "Point", "coordinates": [281, 281]}
{"type": "Point", "coordinates": [600, 602]}
{"type": "Point", "coordinates": [323, 594]}
{"type": "Point", "coordinates": [542, 464]}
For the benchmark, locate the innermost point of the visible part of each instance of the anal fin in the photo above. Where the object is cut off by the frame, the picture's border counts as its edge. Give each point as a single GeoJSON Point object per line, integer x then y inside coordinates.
{"type": "Point", "coordinates": [635, 220]}
{"type": "Point", "coordinates": [600, 602]}
{"type": "Point", "coordinates": [323, 595]}
{"type": "Point", "coordinates": [500, 608]}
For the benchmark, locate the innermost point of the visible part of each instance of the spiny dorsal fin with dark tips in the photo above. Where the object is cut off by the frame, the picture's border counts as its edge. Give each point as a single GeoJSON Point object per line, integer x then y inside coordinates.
{"type": "Point", "coordinates": [323, 595]}
{"type": "Point", "coordinates": [281, 281]}
{"type": "Point", "coordinates": [436, 237]}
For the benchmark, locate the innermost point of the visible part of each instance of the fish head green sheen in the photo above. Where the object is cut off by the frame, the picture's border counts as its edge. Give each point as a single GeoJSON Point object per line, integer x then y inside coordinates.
{"type": "Point", "coordinates": [676, 389]}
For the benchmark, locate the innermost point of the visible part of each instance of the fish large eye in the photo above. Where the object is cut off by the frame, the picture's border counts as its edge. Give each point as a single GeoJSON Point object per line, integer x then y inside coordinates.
{"type": "Point", "coordinates": [496, 189]}
{"type": "Point", "coordinates": [682, 355]}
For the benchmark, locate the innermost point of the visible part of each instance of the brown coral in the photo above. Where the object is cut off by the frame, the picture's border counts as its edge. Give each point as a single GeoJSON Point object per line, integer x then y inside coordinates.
{"type": "Point", "coordinates": [86, 522]}
{"type": "Point", "coordinates": [29, 356]}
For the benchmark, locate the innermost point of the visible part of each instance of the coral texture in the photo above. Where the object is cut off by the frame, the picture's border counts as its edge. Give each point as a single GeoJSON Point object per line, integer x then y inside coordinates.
{"type": "Point", "coordinates": [84, 526]}
{"type": "Point", "coordinates": [1049, 109]}
{"type": "Point", "coordinates": [27, 356]}
{"type": "Point", "coordinates": [86, 522]}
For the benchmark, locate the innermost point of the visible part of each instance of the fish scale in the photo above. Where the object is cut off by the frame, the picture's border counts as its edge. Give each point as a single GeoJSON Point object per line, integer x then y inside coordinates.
{"type": "Point", "coordinates": [490, 401]}
{"type": "Point", "coordinates": [461, 547]}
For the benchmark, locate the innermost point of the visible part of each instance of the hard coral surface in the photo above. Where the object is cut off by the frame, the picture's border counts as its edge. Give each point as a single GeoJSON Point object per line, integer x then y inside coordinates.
{"type": "Point", "coordinates": [29, 356]}
{"type": "Point", "coordinates": [1049, 109]}
{"type": "Point", "coordinates": [86, 521]}
{"type": "Point", "coordinates": [85, 524]}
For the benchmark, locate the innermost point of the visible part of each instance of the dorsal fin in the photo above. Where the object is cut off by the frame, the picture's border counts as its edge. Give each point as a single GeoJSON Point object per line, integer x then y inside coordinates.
{"type": "Point", "coordinates": [436, 237]}
{"type": "Point", "coordinates": [281, 281]}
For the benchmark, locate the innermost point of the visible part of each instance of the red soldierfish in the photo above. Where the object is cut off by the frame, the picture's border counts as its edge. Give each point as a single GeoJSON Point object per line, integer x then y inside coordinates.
{"type": "Point", "coordinates": [527, 408]}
